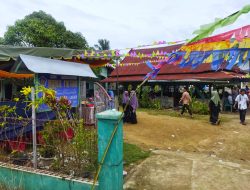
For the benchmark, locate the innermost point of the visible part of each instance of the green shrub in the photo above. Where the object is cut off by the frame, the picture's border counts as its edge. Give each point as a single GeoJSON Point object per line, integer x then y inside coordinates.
{"type": "Point", "coordinates": [155, 103]}
{"type": "Point", "coordinates": [130, 87]}
{"type": "Point", "coordinates": [157, 89]}
{"type": "Point", "coordinates": [199, 107]}
{"type": "Point", "coordinates": [144, 101]}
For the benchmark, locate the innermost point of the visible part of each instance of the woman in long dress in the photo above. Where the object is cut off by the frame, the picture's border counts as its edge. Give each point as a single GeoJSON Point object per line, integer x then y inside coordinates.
{"type": "Point", "coordinates": [125, 100]}
{"type": "Point", "coordinates": [214, 108]}
{"type": "Point", "coordinates": [134, 106]}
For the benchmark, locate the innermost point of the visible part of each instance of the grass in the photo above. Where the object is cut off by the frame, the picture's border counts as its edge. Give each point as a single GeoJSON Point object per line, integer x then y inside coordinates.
{"type": "Point", "coordinates": [133, 154]}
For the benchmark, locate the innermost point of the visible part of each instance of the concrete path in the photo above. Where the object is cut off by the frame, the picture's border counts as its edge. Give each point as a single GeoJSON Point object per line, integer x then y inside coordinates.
{"type": "Point", "coordinates": [166, 170]}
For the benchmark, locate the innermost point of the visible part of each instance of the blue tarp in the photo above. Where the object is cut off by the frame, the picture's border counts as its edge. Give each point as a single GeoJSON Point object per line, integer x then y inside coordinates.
{"type": "Point", "coordinates": [15, 127]}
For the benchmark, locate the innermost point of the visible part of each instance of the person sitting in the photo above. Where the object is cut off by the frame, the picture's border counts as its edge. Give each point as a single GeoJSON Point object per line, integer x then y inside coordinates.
{"type": "Point", "coordinates": [228, 103]}
{"type": "Point", "coordinates": [214, 108]}
{"type": "Point", "coordinates": [230, 99]}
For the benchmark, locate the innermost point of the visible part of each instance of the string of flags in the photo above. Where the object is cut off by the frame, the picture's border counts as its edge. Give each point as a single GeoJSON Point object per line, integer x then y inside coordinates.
{"type": "Point", "coordinates": [208, 29]}
{"type": "Point", "coordinates": [108, 54]}
{"type": "Point", "coordinates": [214, 52]}
{"type": "Point", "coordinates": [162, 43]}
{"type": "Point", "coordinates": [236, 38]}
{"type": "Point", "coordinates": [232, 48]}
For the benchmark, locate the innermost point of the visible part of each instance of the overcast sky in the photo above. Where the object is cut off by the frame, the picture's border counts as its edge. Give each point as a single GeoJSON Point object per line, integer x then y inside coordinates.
{"type": "Point", "coordinates": [127, 23]}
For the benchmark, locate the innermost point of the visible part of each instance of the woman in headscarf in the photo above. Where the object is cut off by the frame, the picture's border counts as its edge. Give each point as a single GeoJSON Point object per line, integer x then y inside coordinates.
{"type": "Point", "coordinates": [134, 106]}
{"type": "Point", "coordinates": [125, 100]}
{"type": "Point", "coordinates": [214, 108]}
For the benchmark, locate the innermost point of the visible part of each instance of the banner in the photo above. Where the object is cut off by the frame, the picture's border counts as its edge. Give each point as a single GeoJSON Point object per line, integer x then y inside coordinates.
{"type": "Point", "coordinates": [204, 45]}
{"type": "Point", "coordinates": [208, 29]}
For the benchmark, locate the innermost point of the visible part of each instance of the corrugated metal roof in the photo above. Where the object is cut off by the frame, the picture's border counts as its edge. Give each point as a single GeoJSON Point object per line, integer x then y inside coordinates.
{"type": "Point", "coordinates": [166, 49]}
{"type": "Point", "coordinates": [143, 69]}
{"type": "Point", "coordinates": [52, 66]}
{"type": "Point", "coordinates": [136, 72]}
{"type": "Point", "coordinates": [222, 75]}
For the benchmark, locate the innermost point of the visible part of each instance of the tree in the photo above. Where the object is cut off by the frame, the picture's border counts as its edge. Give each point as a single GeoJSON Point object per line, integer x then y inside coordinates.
{"type": "Point", "coordinates": [40, 29]}
{"type": "Point", "coordinates": [1, 41]}
{"type": "Point", "coordinates": [103, 44]}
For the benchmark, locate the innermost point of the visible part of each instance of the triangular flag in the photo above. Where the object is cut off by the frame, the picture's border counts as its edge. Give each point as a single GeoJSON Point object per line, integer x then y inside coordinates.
{"type": "Point", "coordinates": [85, 53]}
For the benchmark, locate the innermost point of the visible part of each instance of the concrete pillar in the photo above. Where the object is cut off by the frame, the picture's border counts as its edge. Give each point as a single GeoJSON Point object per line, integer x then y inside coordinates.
{"type": "Point", "coordinates": [111, 175]}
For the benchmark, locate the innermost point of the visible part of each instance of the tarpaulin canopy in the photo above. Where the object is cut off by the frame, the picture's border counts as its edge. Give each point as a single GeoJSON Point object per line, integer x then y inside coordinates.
{"type": "Point", "coordinates": [9, 54]}
{"type": "Point", "coordinates": [51, 66]}
{"type": "Point", "coordinates": [5, 74]}
{"type": "Point", "coordinates": [12, 52]}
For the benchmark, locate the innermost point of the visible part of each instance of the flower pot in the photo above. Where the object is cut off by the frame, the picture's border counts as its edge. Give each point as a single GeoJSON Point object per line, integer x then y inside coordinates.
{"type": "Point", "coordinates": [45, 162]}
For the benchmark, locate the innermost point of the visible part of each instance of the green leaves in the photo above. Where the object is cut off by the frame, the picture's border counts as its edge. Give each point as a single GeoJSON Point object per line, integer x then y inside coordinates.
{"type": "Point", "coordinates": [1, 40]}
{"type": "Point", "coordinates": [42, 30]}
{"type": "Point", "coordinates": [103, 44]}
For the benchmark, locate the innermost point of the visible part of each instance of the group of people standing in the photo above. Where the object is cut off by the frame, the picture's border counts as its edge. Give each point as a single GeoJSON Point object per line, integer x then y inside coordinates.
{"type": "Point", "coordinates": [130, 105]}
{"type": "Point", "coordinates": [241, 102]}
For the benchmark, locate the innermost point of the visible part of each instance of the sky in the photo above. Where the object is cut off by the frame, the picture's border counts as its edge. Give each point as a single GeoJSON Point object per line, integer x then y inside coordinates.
{"type": "Point", "coordinates": [128, 23]}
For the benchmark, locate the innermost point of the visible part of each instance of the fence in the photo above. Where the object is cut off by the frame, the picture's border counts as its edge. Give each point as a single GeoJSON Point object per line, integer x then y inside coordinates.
{"type": "Point", "coordinates": [101, 102]}
{"type": "Point", "coordinates": [110, 157]}
{"type": "Point", "coordinates": [64, 143]}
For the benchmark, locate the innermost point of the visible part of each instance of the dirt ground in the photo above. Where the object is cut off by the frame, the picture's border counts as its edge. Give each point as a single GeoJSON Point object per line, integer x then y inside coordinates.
{"type": "Point", "coordinates": [230, 140]}
{"type": "Point", "coordinates": [190, 154]}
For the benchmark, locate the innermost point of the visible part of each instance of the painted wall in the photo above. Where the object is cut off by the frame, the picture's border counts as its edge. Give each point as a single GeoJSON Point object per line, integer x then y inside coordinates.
{"type": "Point", "coordinates": [38, 181]}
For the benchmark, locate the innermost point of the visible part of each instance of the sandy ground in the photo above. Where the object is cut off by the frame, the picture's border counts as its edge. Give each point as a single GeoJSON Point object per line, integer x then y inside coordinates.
{"type": "Point", "coordinates": [230, 140]}
{"type": "Point", "coordinates": [190, 154]}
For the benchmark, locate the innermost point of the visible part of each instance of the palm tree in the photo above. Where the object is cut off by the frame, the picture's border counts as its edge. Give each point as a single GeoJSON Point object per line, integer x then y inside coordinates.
{"type": "Point", "coordinates": [103, 44]}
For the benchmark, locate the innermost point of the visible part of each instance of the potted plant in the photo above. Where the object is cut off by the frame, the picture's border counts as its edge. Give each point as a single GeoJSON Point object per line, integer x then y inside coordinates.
{"type": "Point", "coordinates": [19, 158]}
{"type": "Point", "coordinates": [47, 155]}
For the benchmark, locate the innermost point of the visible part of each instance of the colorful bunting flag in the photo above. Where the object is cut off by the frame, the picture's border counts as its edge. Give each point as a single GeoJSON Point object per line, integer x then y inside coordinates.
{"type": "Point", "coordinates": [208, 29]}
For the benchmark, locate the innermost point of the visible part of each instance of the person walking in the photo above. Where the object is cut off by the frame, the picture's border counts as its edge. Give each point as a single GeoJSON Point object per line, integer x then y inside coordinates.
{"type": "Point", "coordinates": [242, 101]}
{"type": "Point", "coordinates": [186, 100]}
{"type": "Point", "coordinates": [214, 108]}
